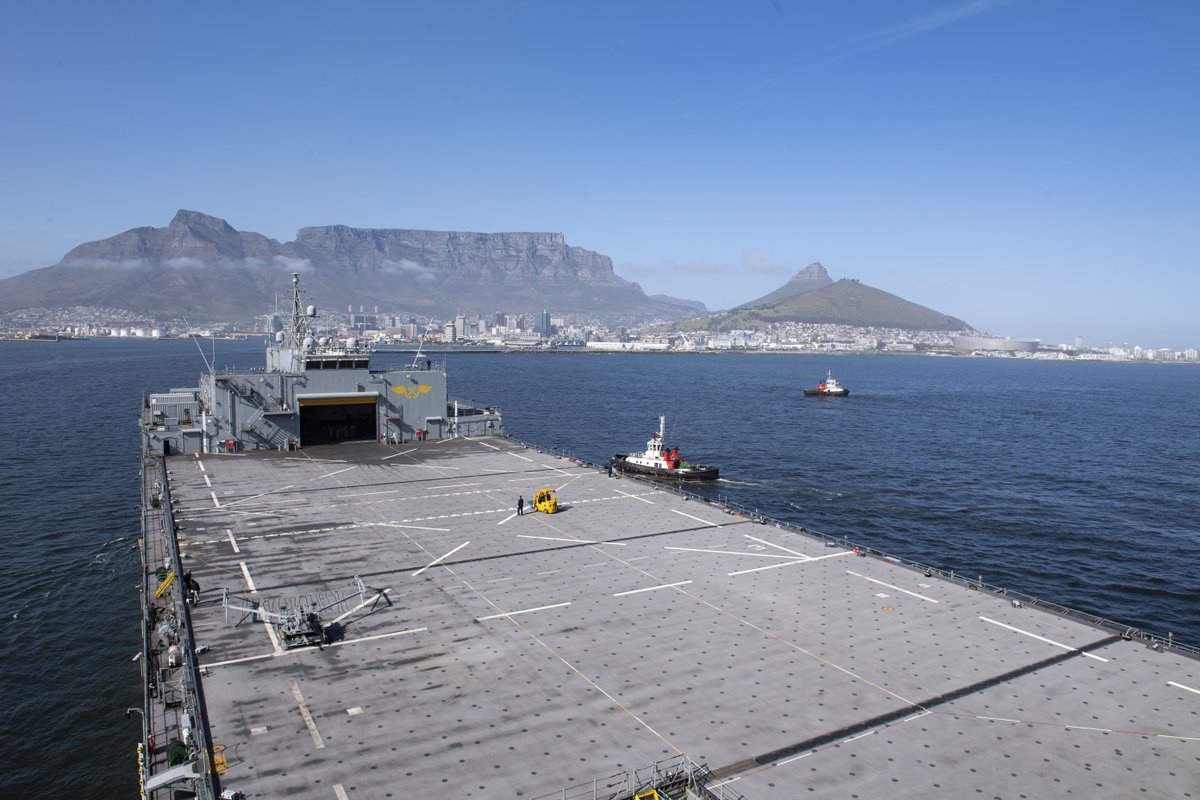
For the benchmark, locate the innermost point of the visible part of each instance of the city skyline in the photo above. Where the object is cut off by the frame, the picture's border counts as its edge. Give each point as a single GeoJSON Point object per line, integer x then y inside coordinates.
{"type": "Point", "coordinates": [1027, 167]}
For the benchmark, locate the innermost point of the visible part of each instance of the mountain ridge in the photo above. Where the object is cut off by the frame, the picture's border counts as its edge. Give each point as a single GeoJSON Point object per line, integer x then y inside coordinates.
{"type": "Point", "coordinates": [200, 265]}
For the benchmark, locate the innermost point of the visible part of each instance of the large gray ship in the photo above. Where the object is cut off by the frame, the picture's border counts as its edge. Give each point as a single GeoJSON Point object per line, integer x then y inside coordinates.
{"type": "Point", "coordinates": [341, 600]}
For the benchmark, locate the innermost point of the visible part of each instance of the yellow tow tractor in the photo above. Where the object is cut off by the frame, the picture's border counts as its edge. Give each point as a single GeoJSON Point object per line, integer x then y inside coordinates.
{"type": "Point", "coordinates": [546, 500]}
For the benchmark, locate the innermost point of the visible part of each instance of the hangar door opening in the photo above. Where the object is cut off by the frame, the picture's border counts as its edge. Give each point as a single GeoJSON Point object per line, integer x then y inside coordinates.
{"type": "Point", "coordinates": [329, 420]}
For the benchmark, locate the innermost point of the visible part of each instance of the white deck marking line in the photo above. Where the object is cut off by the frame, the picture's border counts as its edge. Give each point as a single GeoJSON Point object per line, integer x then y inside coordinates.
{"type": "Point", "coordinates": [1180, 738]}
{"type": "Point", "coordinates": [523, 458]}
{"type": "Point", "coordinates": [306, 714]}
{"type": "Point", "coordinates": [367, 494]}
{"type": "Point", "coordinates": [890, 586]}
{"type": "Point", "coordinates": [770, 566]}
{"type": "Point", "coordinates": [1181, 686]}
{"type": "Point", "coordinates": [200, 464]}
{"type": "Point", "coordinates": [999, 719]}
{"type": "Point", "coordinates": [1043, 639]}
{"type": "Point", "coordinates": [249, 580]}
{"type": "Point", "coordinates": [772, 544]}
{"type": "Point", "coordinates": [281, 652]}
{"type": "Point", "coordinates": [232, 541]}
{"type": "Point", "coordinates": [414, 527]}
{"type": "Point", "coordinates": [506, 519]}
{"type": "Point", "coordinates": [452, 486]}
{"type": "Point", "coordinates": [363, 604]}
{"type": "Point", "coordinates": [522, 611]}
{"type": "Point", "coordinates": [331, 474]}
{"type": "Point", "coordinates": [401, 453]}
{"type": "Point", "coordinates": [440, 558]}
{"type": "Point", "coordinates": [652, 588]}
{"type": "Point", "coordinates": [339, 793]}
{"type": "Point", "coordinates": [262, 494]}
{"type": "Point", "coordinates": [556, 469]}
{"type": "Point", "coordinates": [207, 482]}
{"type": "Point", "coordinates": [216, 502]}
{"type": "Point", "coordinates": [501, 580]}
{"type": "Point", "coordinates": [635, 497]}
{"type": "Point", "coordinates": [1086, 728]}
{"type": "Point", "coordinates": [730, 553]}
{"type": "Point", "coordinates": [277, 648]}
{"type": "Point", "coordinates": [485, 444]}
{"type": "Point", "coordinates": [568, 483]}
{"type": "Point", "coordinates": [572, 541]}
{"type": "Point", "coordinates": [376, 636]}
{"type": "Point", "coordinates": [549, 572]}
{"type": "Point", "coordinates": [701, 521]}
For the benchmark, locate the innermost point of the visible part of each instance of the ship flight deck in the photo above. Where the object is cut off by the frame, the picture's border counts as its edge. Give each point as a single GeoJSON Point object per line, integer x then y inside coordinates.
{"type": "Point", "coordinates": [475, 652]}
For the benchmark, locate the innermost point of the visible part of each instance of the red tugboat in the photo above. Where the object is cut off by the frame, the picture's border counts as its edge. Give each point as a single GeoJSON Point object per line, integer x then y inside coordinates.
{"type": "Point", "coordinates": [659, 461]}
{"type": "Point", "coordinates": [828, 388]}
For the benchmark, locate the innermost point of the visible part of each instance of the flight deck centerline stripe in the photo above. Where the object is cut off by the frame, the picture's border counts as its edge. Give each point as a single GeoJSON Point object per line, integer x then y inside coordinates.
{"type": "Point", "coordinates": [689, 516]}
{"type": "Point", "coordinates": [485, 444]}
{"type": "Point", "coordinates": [304, 712]}
{"type": "Point", "coordinates": [249, 580]}
{"type": "Point", "coordinates": [401, 453]}
{"type": "Point", "coordinates": [890, 586]}
{"type": "Point", "coordinates": [732, 553]}
{"type": "Point", "coordinates": [1181, 686]}
{"type": "Point", "coordinates": [232, 541]}
{"type": "Point", "coordinates": [216, 502]}
{"type": "Point", "coordinates": [652, 588]}
{"type": "Point", "coordinates": [207, 481]}
{"type": "Point", "coordinates": [523, 458]}
{"type": "Point", "coordinates": [1044, 639]}
{"type": "Point", "coordinates": [440, 558]}
{"type": "Point", "coordinates": [522, 611]}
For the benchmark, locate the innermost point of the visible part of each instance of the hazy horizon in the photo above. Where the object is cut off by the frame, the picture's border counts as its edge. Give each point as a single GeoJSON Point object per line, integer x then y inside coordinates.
{"type": "Point", "coordinates": [1028, 167]}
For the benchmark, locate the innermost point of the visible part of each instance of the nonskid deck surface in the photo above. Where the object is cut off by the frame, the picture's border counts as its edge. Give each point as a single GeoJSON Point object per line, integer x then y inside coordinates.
{"type": "Point", "coordinates": [513, 656]}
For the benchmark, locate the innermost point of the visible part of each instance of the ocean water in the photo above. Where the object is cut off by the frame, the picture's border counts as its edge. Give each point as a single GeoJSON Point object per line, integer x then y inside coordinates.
{"type": "Point", "coordinates": [1074, 482]}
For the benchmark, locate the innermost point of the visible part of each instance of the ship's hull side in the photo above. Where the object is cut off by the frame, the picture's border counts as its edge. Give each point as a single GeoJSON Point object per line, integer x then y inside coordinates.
{"type": "Point", "coordinates": [621, 463]}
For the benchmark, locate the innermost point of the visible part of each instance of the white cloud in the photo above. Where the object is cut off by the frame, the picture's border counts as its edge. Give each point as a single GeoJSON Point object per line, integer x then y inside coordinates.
{"type": "Point", "coordinates": [105, 263]}
{"type": "Point", "coordinates": [292, 264]}
{"type": "Point", "coordinates": [408, 268]}
{"type": "Point", "coordinates": [185, 262]}
{"type": "Point", "coordinates": [753, 262]}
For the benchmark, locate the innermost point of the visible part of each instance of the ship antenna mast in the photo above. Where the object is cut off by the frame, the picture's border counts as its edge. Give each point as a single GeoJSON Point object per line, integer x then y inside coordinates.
{"type": "Point", "coordinates": [299, 329]}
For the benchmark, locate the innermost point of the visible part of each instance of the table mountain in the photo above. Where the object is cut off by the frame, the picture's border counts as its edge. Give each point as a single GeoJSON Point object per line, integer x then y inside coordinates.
{"type": "Point", "coordinates": [201, 267]}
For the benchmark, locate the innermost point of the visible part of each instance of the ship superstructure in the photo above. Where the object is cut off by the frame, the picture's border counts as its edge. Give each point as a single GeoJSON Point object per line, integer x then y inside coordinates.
{"type": "Point", "coordinates": [313, 390]}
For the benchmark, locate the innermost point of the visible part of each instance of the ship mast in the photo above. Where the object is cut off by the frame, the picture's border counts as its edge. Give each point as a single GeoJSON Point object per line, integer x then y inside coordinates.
{"type": "Point", "coordinates": [298, 332]}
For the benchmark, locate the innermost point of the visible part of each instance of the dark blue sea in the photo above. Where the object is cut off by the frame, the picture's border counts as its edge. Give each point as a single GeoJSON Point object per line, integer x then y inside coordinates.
{"type": "Point", "coordinates": [1074, 482]}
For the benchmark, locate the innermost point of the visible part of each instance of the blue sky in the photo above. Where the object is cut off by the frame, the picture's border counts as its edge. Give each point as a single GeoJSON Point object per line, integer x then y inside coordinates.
{"type": "Point", "coordinates": [1030, 166]}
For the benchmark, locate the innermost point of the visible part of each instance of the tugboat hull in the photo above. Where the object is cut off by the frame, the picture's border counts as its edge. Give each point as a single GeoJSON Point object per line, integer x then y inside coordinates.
{"type": "Point", "coordinates": [696, 473]}
{"type": "Point", "coordinates": [820, 393]}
